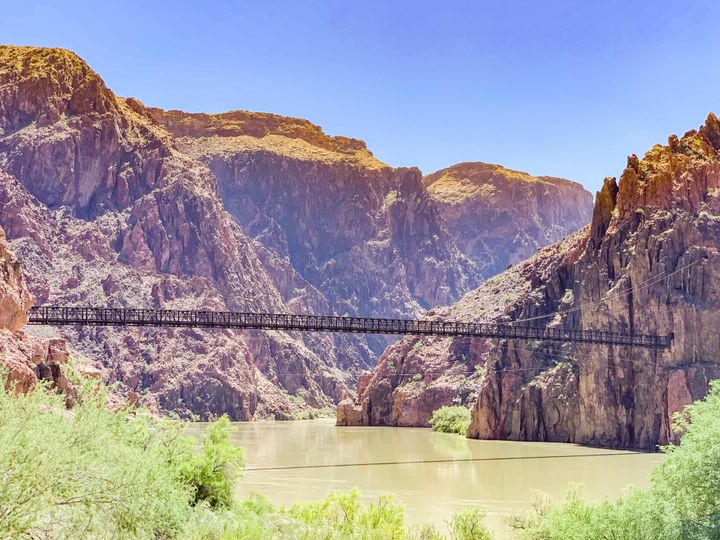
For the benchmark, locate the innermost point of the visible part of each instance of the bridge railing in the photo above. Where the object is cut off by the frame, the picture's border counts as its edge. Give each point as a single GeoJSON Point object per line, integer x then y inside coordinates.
{"type": "Point", "coordinates": [94, 316]}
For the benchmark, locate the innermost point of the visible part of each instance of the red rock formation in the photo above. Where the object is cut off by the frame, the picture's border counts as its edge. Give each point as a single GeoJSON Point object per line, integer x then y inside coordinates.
{"type": "Point", "coordinates": [102, 208]}
{"type": "Point", "coordinates": [109, 203]}
{"type": "Point", "coordinates": [648, 263]}
{"type": "Point", "coordinates": [15, 299]}
{"type": "Point", "coordinates": [25, 359]}
{"type": "Point", "coordinates": [498, 216]}
{"type": "Point", "coordinates": [367, 236]}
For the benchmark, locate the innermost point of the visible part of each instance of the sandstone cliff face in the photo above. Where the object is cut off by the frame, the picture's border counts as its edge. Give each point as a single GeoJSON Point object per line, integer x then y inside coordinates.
{"type": "Point", "coordinates": [102, 208]}
{"type": "Point", "coordinates": [499, 217]}
{"type": "Point", "coordinates": [367, 236]}
{"type": "Point", "coordinates": [25, 359]}
{"type": "Point", "coordinates": [15, 299]}
{"type": "Point", "coordinates": [648, 263]}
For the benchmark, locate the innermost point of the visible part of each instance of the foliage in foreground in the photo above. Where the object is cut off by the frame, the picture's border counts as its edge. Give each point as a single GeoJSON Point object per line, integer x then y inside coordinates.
{"type": "Point", "coordinates": [92, 472]}
{"type": "Point", "coordinates": [339, 516]}
{"type": "Point", "coordinates": [683, 501]}
{"type": "Point", "coordinates": [95, 473]}
{"type": "Point", "coordinates": [455, 419]}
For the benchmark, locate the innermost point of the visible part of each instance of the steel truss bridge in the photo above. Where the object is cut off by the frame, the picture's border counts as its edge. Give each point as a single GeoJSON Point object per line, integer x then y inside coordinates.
{"type": "Point", "coordinates": [100, 316]}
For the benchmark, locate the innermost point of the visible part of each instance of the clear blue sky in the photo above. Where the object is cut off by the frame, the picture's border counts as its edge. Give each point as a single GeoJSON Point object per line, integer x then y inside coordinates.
{"type": "Point", "coordinates": [554, 87]}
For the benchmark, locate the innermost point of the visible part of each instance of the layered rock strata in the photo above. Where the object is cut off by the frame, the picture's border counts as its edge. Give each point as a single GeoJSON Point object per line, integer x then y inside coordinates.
{"type": "Point", "coordinates": [102, 208]}
{"type": "Point", "coordinates": [108, 203]}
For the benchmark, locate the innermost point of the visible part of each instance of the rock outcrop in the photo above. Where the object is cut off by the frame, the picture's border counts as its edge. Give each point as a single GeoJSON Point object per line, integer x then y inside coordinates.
{"type": "Point", "coordinates": [648, 263]}
{"type": "Point", "coordinates": [24, 359]}
{"type": "Point", "coordinates": [15, 300]}
{"type": "Point", "coordinates": [498, 217]}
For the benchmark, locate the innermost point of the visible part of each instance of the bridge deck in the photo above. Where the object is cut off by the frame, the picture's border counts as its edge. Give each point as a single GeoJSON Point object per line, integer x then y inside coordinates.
{"type": "Point", "coordinates": [94, 316]}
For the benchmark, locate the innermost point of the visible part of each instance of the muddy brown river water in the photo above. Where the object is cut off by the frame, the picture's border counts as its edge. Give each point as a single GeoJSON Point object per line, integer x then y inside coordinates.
{"type": "Point", "coordinates": [432, 474]}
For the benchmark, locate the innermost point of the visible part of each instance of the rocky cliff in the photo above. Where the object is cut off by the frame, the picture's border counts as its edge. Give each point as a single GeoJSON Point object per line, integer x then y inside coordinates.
{"type": "Point", "coordinates": [648, 263]}
{"type": "Point", "coordinates": [24, 359]}
{"type": "Point", "coordinates": [366, 235]}
{"type": "Point", "coordinates": [499, 217]}
{"type": "Point", "coordinates": [106, 202]}
{"type": "Point", "coordinates": [102, 208]}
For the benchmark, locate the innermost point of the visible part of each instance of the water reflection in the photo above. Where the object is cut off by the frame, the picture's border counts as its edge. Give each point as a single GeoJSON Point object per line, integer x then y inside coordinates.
{"type": "Point", "coordinates": [450, 446]}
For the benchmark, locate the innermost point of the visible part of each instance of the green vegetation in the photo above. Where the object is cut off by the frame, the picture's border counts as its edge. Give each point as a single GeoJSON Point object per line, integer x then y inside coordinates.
{"type": "Point", "coordinates": [92, 472]}
{"type": "Point", "coordinates": [96, 473]}
{"type": "Point", "coordinates": [468, 524]}
{"type": "Point", "coordinates": [314, 414]}
{"type": "Point", "coordinates": [683, 501]}
{"type": "Point", "coordinates": [297, 400]}
{"type": "Point", "coordinates": [214, 472]}
{"type": "Point", "coordinates": [455, 419]}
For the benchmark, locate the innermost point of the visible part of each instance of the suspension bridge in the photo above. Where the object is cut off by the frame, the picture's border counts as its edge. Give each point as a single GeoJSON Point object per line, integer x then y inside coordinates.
{"type": "Point", "coordinates": [102, 316]}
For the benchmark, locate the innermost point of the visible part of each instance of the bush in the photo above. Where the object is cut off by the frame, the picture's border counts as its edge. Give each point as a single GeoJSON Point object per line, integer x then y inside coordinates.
{"type": "Point", "coordinates": [214, 472]}
{"type": "Point", "coordinates": [468, 525]}
{"type": "Point", "coordinates": [455, 419]}
{"type": "Point", "coordinates": [340, 516]}
{"type": "Point", "coordinates": [92, 472]}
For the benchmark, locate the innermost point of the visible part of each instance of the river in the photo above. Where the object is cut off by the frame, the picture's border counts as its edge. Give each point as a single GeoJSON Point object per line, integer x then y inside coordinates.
{"type": "Point", "coordinates": [432, 474]}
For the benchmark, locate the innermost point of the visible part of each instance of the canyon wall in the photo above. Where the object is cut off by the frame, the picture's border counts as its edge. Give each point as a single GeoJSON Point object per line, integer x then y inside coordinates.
{"type": "Point", "coordinates": [109, 203]}
{"type": "Point", "coordinates": [102, 208]}
{"type": "Point", "coordinates": [366, 235]}
{"type": "Point", "coordinates": [647, 264]}
{"type": "Point", "coordinates": [24, 359]}
{"type": "Point", "coordinates": [498, 217]}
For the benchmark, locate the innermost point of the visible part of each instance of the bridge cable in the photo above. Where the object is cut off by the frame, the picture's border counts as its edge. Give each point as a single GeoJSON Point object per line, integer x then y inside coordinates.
{"type": "Point", "coordinates": [424, 461]}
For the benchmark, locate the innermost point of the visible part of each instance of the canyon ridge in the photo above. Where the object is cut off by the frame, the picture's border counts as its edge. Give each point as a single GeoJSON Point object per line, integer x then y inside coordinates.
{"type": "Point", "coordinates": [108, 202]}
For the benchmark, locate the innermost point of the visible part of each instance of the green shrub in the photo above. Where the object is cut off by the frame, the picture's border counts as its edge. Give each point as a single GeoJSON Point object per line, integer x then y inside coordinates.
{"type": "Point", "coordinates": [93, 472]}
{"type": "Point", "coordinates": [468, 525]}
{"type": "Point", "coordinates": [314, 414]}
{"type": "Point", "coordinates": [340, 516]}
{"type": "Point", "coordinates": [214, 472]}
{"type": "Point", "coordinates": [455, 419]}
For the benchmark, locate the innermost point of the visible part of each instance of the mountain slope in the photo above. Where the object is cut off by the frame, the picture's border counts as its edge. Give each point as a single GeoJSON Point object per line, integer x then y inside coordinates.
{"type": "Point", "coordinates": [499, 217]}
{"type": "Point", "coordinates": [102, 208]}
{"type": "Point", "coordinates": [364, 234]}
{"type": "Point", "coordinates": [105, 206]}
{"type": "Point", "coordinates": [648, 263]}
